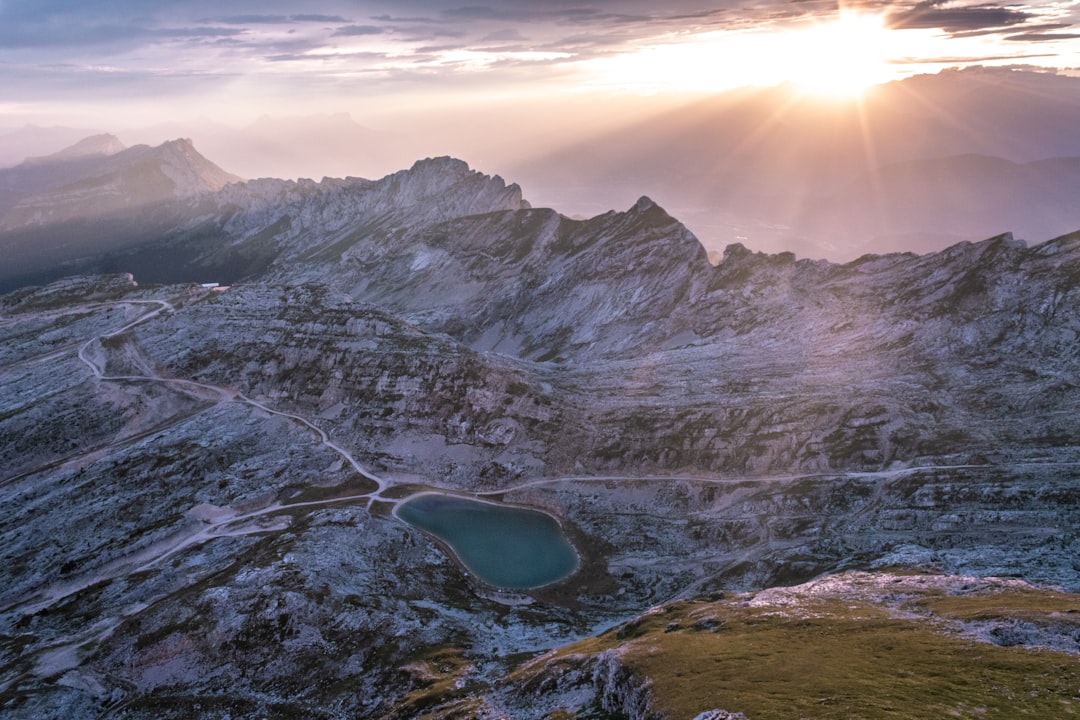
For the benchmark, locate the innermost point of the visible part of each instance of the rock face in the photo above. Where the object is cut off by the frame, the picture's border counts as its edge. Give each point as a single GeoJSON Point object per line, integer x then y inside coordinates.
{"type": "Point", "coordinates": [198, 483]}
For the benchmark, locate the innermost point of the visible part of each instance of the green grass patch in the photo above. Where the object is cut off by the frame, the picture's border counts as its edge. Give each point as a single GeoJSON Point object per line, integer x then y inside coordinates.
{"type": "Point", "coordinates": [1021, 603]}
{"type": "Point", "coordinates": [438, 679]}
{"type": "Point", "coordinates": [833, 657]}
{"type": "Point", "coordinates": [849, 662]}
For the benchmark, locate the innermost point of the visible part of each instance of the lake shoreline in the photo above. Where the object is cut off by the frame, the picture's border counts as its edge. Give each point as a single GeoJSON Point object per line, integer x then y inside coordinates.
{"type": "Point", "coordinates": [491, 550]}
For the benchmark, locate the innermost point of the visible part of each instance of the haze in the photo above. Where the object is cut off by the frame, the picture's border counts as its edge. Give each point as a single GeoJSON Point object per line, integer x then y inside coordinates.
{"type": "Point", "coordinates": [751, 123]}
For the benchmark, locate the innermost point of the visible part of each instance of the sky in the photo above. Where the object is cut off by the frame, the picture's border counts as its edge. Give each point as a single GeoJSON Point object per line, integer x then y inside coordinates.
{"type": "Point", "coordinates": [128, 62]}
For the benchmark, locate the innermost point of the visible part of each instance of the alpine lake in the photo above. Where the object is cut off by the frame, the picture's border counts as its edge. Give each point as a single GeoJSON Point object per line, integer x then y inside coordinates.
{"type": "Point", "coordinates": [506, 547]}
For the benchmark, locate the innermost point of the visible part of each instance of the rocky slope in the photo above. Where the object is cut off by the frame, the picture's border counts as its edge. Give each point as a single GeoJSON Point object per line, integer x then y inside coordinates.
{"type": "Point", "coordinates": [198, 482]}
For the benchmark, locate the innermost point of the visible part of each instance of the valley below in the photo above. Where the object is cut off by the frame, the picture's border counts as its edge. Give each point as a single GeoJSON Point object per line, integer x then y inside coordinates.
{"type": "Point", "coordinates": [199, 482]}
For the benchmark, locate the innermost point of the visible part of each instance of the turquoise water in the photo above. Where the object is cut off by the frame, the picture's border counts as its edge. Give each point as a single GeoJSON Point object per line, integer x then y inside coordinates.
{"type": "Point", "coordinates": [506, 547]}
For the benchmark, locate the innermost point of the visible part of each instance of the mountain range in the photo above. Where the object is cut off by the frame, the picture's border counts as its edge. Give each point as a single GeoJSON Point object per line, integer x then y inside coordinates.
{"type": "Point", "coordinates": [845, 488]}
{"type": "Point", "coordinates": [772, 168]}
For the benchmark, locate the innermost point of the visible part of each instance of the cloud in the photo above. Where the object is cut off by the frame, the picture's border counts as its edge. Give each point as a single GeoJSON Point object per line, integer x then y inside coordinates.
{"type": "Point", "coordinates": [1028, 29]}
{"type": "Point", "coordinates": [328, 57]}
{"type": "Point", "coordinates": [101, 83]}
{"type": "Point", "coordinates": [394, 19]}
{"type": "Point", "coordinates": [484, 12]}
{"type": "Point", "coordinates": [262, 19]}
{"type": "Point", "coordinates": [71, 36]}
{"type": "Point", "coordinates": [508, 35]}
{"type": "Point", "coordinates": [318, 18]}
{"type": "Point", "coordinates": [196, 32]}
{"type": "Point", "coordinates": [443, 43]}
{"type": "Point", "coordinates": [249, 20]}
{"type": "Point", "coordinates": [931, 14]}
{"type": "Point", "coordinates": [354, 30]}
{"type": "Point", "coordinates": [1042, 37]}
{"type": "Point", "coordinates": [966, 60]}
{"type": "Point", "coordinates": [417, 34]}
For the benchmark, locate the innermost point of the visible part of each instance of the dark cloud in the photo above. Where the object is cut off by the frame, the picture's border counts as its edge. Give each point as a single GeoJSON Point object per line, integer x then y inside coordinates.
{"type": "Point", "coordinates": [526, 12]}
{"type": "Point", "coordinates": [1040, 29]}
{"type": "Point", "coordinates": [197, 32]}
{"type": "Point", "coordinates": [436, 49]}
{"type": "Point", "coordinates": [326, 57]}
{"type": "Point", "coordinates": [318, 18]}
{"type": "Point", "coordinates": [353, 30]}
{"type": "Point", "coordinates": [932, 14]}
{"type": "Point", "coordinates": [1042, 37]}
{"type": "Point", "coordinates": [532, 12]}
{"type": "Point", "coordinates": [484, 12]}
{"type": "Point", "coordinates": [391, 18]}
{"type": "Point", "coordinates": [1046, 26]}
{"type": "Point", "coordinates": [249, 20]}
{"type": "Point", "coordinates": [508, 35]}
{"type": "Point", "coordinates": [262, 19]}
{"type": "Point", "coordinates": [76, 37]}
{"type": "Point", "coordinates": [422, 34]}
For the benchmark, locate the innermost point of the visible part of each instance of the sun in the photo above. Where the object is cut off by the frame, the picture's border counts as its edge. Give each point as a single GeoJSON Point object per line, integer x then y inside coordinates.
{"type": "Point", "coordinates": [839, 58]}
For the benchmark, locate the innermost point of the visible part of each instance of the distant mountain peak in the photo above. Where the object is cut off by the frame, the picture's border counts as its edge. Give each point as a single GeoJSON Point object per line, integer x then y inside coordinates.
{"type": "Point", "coordinates": [179, 143]}
{"type": "Point", "coordinates": [442, 163]}
{"type": "Point", "coordinates": [190, 171]}
{"type": "Point", "coordinates": [102, 145]}
{"type": "Point", "coordinates": [87, 186]}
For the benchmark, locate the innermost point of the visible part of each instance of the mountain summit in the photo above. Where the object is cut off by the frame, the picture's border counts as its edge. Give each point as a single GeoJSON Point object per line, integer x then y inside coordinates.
{"type": "Point", "coordinates": [82, 201]}
{"type": "Point", "coordinates": [93, 146]}
{"type": "Point", "coordinates": [99, 183]}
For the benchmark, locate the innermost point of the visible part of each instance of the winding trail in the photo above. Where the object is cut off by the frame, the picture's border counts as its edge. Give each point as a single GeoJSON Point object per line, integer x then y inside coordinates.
{"type": "Point", "coordinates": [64, 654]}
{"type": "Point", "coordinates": [225, 523]}
{"type": "Point", "coordinates": [227, 394]}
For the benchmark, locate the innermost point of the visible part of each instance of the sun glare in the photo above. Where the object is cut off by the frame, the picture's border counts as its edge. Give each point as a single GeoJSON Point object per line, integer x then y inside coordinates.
{"type": "Point", "coordinates": [838, 58]}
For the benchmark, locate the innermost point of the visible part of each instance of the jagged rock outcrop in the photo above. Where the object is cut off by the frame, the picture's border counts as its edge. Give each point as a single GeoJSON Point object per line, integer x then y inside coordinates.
{"type": "Point", "coordinates": [619, 692]}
